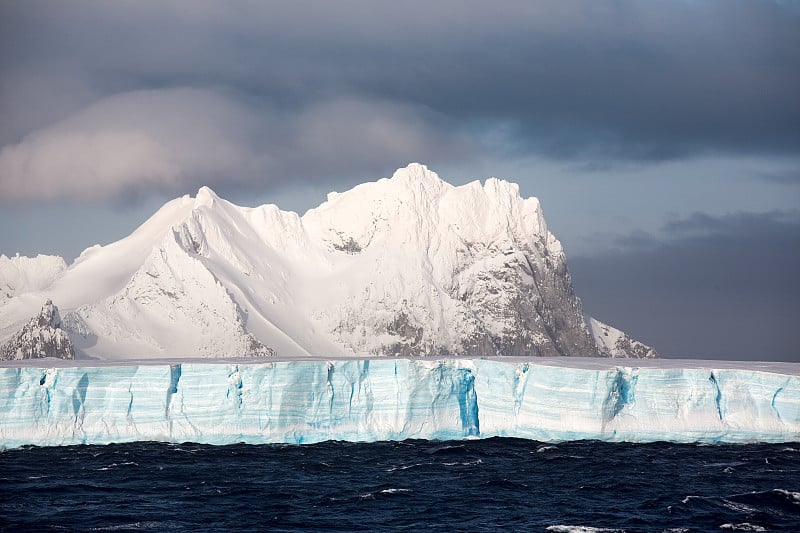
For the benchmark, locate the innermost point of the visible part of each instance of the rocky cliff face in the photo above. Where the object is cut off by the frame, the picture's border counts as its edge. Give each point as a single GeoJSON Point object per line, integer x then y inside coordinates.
{"type": "Point", "coordinates": [41, 337]}
{"type": "Point", "coordinates": [409, 266]}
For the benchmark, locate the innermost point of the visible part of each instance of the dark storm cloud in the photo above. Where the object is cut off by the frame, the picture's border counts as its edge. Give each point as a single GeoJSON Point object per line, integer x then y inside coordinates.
{"type": "Point", "coordinates": [713, 287]}
{"type": "Point", "coordinates": [602, 81]}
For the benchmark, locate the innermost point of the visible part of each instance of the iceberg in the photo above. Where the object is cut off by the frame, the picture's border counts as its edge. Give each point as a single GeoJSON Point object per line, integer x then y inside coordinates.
{"type": "Point", "coordinates": [55, 402]}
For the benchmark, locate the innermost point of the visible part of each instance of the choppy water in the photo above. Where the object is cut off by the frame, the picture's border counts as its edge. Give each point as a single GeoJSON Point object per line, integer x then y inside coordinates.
{"type": "Point", "coordinates": [492, 484]}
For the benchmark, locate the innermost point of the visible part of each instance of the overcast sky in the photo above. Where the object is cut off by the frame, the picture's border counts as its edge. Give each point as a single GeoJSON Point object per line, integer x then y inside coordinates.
{"type": "Point", "coordinates": [662, 137]}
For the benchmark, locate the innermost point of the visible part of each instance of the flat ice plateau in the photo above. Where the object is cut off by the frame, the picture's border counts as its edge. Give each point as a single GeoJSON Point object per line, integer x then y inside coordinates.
{"type": "Point", "coordinates": [55, 402]}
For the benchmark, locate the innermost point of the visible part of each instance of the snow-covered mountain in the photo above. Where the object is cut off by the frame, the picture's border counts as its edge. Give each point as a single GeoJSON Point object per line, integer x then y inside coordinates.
{"type": "Point", "coordinates": [41, 337]}
{"type": "Point", "coordinates": [409, 265]}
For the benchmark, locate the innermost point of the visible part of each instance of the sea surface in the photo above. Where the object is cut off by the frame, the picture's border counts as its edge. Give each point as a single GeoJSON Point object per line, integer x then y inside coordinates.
{"type": "Point", "coordinates": [477, 485]}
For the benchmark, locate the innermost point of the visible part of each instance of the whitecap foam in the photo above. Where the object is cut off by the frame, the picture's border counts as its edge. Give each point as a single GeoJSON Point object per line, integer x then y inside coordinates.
{"type": "Point", "coordinates": [581, 529]}
{"type": "Point", "coordinates": [744, 526]}
{"type": "Point", "coordinates": [795, 496]}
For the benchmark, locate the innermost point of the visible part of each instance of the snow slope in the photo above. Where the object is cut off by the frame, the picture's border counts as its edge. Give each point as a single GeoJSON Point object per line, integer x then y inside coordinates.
{"type": "Point", "coordinates": [303, 401]}
{"type": "Point", "coordinates": [409, 265]}
{"type": "Point", "coordinates": [20, 274]}
{"type": "Point", "coordinates": [617, 343]}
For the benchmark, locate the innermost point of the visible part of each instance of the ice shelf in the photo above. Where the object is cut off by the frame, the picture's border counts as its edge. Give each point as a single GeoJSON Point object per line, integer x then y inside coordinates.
{"type": "Point", "coordinates": [312, 400]}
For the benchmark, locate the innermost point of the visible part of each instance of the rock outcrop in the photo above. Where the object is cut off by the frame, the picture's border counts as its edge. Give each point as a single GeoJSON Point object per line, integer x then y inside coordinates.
{"type": "Point", "coordinates": [39, 338]}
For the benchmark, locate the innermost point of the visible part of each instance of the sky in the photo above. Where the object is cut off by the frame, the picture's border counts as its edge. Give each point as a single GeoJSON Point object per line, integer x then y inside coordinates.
{"type": "Point", "coordinates": [661, 137]}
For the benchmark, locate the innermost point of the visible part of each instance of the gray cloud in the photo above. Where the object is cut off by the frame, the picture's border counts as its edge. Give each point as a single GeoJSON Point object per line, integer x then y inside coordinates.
{"type": "Point", "coordinates": [714, 287]}
{"type": "Point", "coordinates": [610, 81]}
{"type": "Point", "coordinates": [141, 139]}
{"type": "Point", "coordinates": [176, 139]}
{"type": "Point", "coordinates": [783, 177]}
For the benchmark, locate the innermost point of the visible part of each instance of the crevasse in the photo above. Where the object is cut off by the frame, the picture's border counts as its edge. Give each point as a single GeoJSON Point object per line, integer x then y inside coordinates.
{"type": "Point", "coordinates": [307, 401]}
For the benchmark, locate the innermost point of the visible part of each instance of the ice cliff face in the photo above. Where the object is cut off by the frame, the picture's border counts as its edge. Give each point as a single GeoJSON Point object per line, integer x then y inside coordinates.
{"type": "Point", "coordinates": [409, 266]}
{"type": "Point", "coordinates": [257, 401]}
{"type": "Point", "coordinates": [41, 337]}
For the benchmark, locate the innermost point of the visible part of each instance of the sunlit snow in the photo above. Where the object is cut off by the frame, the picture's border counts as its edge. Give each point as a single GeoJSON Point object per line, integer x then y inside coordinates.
{"type": "Point", "coordinates": [407, 265]}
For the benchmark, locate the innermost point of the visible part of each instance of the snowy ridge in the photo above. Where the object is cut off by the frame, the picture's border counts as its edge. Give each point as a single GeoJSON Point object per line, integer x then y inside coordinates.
{"type": "Point", "coordinates": [409, 265]}
{"type": "Point", "coordinates": [20, 274]}
{"type": "Point", "coordinates": [175, 293]}
{"type": "Point", "coordinates": [308, 401]}
{"type": "Point", "coordinates": [617, 343]}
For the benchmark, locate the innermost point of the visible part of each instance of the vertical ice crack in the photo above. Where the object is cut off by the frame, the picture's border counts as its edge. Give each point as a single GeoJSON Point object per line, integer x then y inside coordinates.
{"type": "Point", "coordinates": [174, 378]}
{"type": "Point", "coordinates": [129, 414]}
{"type": "Point", "coordinates": [350, 400]}
{"type": "Point", "coordinates": [468, 404]}
{"type": "Point", "coordinates": [235, 385]}
{"type": "Point", "coordinates": [621, 393]}
{"type": "Point", "coordinates": [774, 408]}
{"type": "Point", "coordinates": [365, 388]}
{"type": "Point", "coordinates": [79, 400]}
{"type": "Point", "coordinates": [48, 381]}
{"type": "Point", "coordinates": [130, 403]}
{"type": "Point", "coordinates": [331, 369]}
{"type": "Point", "coordinates": [718, 394]}
{"type": "Point", "coordinates": [520, 382]}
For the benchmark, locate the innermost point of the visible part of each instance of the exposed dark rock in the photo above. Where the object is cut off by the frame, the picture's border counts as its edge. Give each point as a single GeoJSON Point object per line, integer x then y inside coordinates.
{"type": "Point", "coordinates": [41, 337]}
{"type": "Point", "coordinates": [349, 246]}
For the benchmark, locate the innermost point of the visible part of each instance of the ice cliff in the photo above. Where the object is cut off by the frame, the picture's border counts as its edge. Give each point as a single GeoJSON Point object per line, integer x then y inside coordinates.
{"type": "Point", "coordinates": [306, 401]}
{"type": "Point", "coordinates": [408, 266]}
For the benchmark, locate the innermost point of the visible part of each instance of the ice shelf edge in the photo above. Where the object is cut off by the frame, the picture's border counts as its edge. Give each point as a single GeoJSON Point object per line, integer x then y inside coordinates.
{"type": "Point", "coordinates": [306, 401]}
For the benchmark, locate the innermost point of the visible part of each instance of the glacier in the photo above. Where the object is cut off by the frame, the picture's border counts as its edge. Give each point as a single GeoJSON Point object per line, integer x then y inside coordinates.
{"type": "Point", "coordinates": [55, 402]}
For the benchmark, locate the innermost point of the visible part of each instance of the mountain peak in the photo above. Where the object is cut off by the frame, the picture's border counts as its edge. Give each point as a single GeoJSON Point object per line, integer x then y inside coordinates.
{"type": "Point", "coordinates": [414, 169]}
{"type": "Point", "coordinates": [48, 316]}
{"type": "Point", "coordinates": [417, 173]}
{"type": "Point", "coordinates": [205, 197]}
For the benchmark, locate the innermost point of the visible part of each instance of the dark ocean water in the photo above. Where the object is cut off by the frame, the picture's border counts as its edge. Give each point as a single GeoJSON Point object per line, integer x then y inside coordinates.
{"type": "Point", "coordinates": [505, 484]}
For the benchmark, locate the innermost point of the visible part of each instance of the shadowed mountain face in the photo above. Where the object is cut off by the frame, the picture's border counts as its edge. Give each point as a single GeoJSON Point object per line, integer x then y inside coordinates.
{"type": "Point", "coordinates": [403, 266]}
